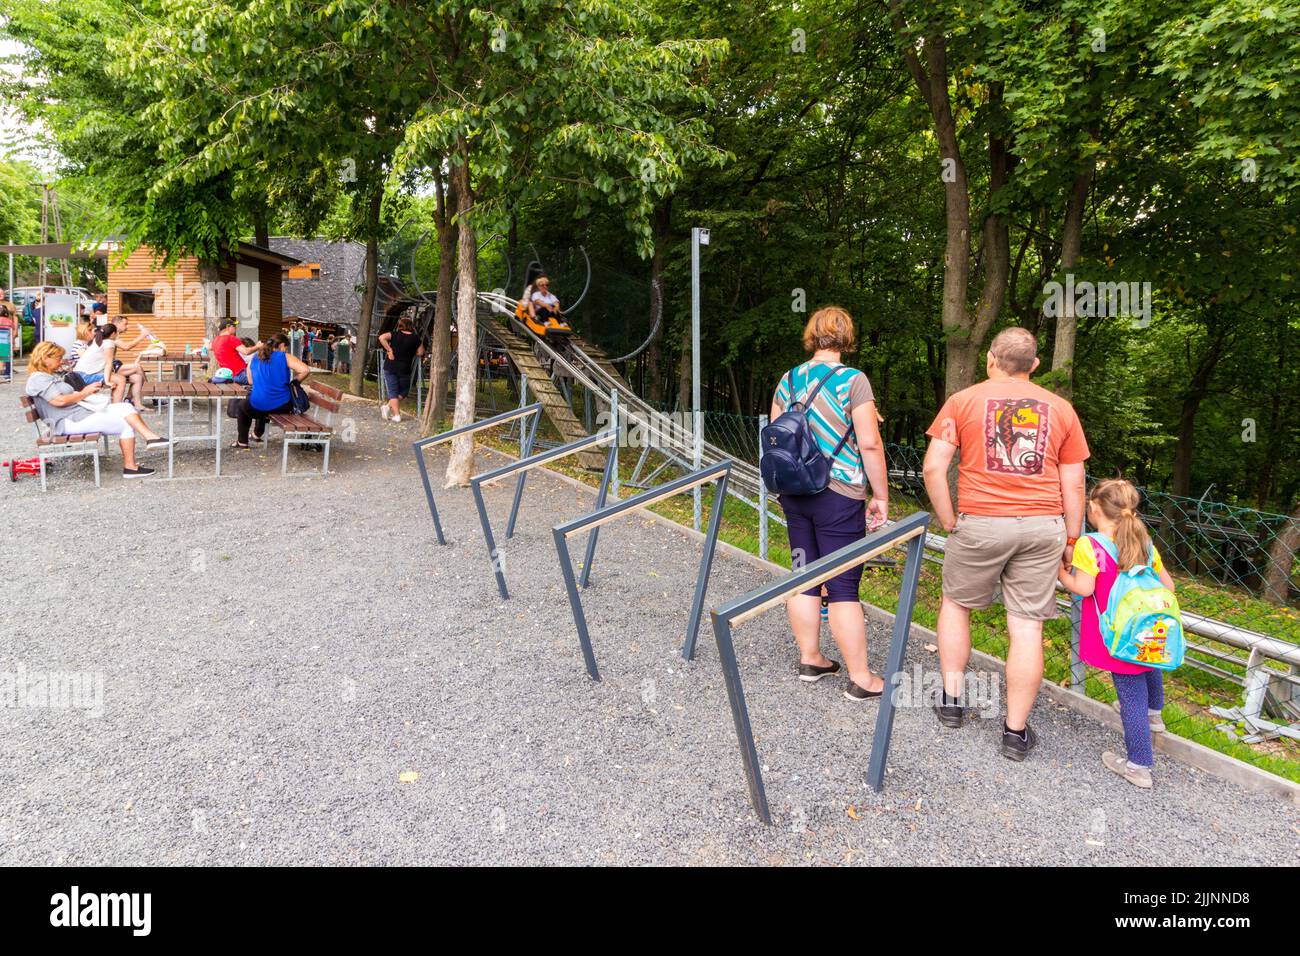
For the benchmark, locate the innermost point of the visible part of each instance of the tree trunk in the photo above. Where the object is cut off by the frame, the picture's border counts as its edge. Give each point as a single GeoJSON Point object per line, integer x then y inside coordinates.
{"type": "Point", "coordinates": [684, 379]}
{"type": "Point", "coordinates": [1186, 442]}
{"type": "Point", "coordinates": [1067, 323]}
{"type": "Point", "coordinates": [964, 331]}
{"type": "Point", "coordinates": [663, 223]}
{"type": "Point", "coordinates": [1281, 558]}
{"type": "Point", "coordinates": [1197, 389]}
{"type": "Point", "coordinates": [440, 361]}
{"type": "Point", "coordinates": [209, 277]}
{"type": "Point", "coordinates": [461, 462]}
{"type": "Point", "coordinates": [261, 226]}
{"type": "Point", "coordinates": [357, 379]}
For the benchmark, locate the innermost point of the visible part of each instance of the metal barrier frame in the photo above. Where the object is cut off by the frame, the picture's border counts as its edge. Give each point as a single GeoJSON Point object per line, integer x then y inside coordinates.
{"type": "Point", "coordinates": [525, 445]}
{"type": "Point", "coordinates": [523, 466]}
{"type": "Point", "coordinates": [719, 472]}
{"type": "Point", "coordinates": [910, 529]}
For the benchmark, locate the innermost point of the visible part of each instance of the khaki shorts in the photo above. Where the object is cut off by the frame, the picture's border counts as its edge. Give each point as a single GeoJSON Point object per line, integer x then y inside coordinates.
{"type": "Point", "coordinates": [1019, 555]}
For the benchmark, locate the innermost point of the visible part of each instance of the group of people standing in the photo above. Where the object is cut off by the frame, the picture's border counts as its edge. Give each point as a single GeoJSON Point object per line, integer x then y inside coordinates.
{"type": "Point", "coordinates": [1016, 531]}
{"type": "Point", "coordinates": [304, 338]}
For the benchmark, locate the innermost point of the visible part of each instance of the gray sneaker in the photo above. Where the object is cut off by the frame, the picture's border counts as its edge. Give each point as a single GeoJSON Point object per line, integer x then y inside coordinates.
{"type": "Point", "coordinates": [1138, 776]}
{"type": "Point", "coordinates": [1015, 747]}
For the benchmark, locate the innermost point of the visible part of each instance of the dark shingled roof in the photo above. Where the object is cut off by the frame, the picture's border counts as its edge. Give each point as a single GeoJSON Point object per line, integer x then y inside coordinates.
{"type": "Point", "coordinates": [334, 297]}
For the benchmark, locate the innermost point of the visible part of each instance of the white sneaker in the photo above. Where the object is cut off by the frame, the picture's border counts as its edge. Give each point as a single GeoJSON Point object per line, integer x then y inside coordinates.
{"type": "Point", "coordinates": [385, 411]}
{"type": "Point", "coordinates": [397, 418]}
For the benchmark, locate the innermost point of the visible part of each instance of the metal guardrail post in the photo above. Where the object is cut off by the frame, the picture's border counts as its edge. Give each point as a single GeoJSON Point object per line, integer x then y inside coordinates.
{"type": "Point", "coordinates": [716, 472]}
{"type": "Point", "coordinates": [910, 529]}
{"type": "Point", "coordinates": [875, 778]}
{"type": "Point", "coordinates": [1078, 672]}
{"type": "Point", "coordinates": [418, 448]}
{"type": "Point", "coordinates": [522, 467]}
{"type": "Point", "coordinates": [614, 413]}
{"type": "Point", "coordinates": [762, 494]}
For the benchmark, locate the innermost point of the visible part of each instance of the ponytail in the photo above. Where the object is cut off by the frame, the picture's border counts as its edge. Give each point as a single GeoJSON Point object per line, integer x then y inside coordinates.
{"type": "Point", "coordinates": [105, 331]}
{"type": "Point", "coordinates": [1119, 500]}
{"type": "Point", "coordinates": [275, 342]}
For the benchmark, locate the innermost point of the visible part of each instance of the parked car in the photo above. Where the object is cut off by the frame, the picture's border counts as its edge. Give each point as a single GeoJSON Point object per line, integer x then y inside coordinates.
{"type": "Point", "coordinates": [21, 295]}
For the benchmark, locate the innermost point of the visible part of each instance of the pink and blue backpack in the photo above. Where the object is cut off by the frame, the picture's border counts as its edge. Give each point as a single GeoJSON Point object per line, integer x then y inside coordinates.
{"type": "Point", "coordinates": [1142, 623]}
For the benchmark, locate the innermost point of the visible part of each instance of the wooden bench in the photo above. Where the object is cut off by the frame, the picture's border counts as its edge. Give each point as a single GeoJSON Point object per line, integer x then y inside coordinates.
{"type": "Point", "coordinates": [49, 445]}
{"type": "Point", "coordinates": [305, 429]}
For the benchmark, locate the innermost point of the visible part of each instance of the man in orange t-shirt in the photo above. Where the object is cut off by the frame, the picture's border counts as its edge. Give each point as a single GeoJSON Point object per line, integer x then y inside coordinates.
{"type": "Point", "coordinates": [1020, 501]}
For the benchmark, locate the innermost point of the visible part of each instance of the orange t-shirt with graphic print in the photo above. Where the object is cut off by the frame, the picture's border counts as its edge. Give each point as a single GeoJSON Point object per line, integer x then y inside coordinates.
{"type": "Point", "coordinates": [1012, 437]}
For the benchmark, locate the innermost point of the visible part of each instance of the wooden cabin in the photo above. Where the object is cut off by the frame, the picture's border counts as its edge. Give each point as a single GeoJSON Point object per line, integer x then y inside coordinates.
{"type": "Point", "coordinates": [169, 300]}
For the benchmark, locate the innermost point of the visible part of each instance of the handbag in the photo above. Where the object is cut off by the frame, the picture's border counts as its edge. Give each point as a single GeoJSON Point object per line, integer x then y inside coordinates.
{"type": "Point", "coordinates": [74, 380]}
{"type": "Point", "coordinates": [298, 399]}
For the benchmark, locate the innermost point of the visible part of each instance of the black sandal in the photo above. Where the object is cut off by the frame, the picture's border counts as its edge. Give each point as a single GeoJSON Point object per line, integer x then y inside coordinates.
{"type": "Point", "coordinates": [235, 444]}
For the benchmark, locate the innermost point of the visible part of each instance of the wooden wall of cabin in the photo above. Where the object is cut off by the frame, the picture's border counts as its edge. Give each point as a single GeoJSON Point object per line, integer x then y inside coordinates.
{"type": "Point", "coordinates": [178, 318]}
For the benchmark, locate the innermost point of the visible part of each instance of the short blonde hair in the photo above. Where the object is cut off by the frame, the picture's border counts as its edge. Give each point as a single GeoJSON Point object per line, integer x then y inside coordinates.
{"type": "Point", "coordinates": [43, 351]}
{"type": "Point", "coordinates": [1014, 349]}
{"type": "Point", "coordinates": [830, 327]}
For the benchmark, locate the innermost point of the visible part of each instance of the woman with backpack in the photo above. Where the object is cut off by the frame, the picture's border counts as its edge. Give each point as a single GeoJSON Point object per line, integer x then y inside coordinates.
{"type": "Point", "coordinates": [823, 491]}
{"type": "Point", "coordinates": [1120, 547]}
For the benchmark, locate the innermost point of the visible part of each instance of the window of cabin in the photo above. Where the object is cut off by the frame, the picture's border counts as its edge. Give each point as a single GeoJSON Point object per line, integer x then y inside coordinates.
{"type": "Point", "coordinates": [136, 301]}
{"type": "Point", "coordinates": [305, 270]}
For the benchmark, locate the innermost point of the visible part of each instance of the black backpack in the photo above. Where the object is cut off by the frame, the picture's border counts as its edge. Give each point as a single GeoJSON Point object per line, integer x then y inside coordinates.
{"type": "Point", "coordinates": [792, 464]}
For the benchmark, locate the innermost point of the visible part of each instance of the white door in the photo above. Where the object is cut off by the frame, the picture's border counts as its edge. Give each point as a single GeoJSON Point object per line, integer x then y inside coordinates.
{"type": "Point", "coordinates": [248, 300]}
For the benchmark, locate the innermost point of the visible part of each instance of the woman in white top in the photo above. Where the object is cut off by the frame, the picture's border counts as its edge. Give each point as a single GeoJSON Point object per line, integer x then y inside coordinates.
{"type": "Point", "coordinates": [96, 361]}
{"type": "Point", "coordinates": [130, 377]}
{"type": "Point", "coordinates": [542, 305]}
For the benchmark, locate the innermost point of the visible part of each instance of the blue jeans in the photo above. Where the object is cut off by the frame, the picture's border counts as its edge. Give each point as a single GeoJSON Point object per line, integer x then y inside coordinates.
{"type": "Point", "coordinates": [91, 377]}
{"type": "Point", "coordinates": [396, 385]}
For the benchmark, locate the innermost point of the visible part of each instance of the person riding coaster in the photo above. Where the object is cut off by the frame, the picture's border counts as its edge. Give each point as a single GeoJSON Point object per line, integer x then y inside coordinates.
{"type": "Point", "coordinates": [540, 310]}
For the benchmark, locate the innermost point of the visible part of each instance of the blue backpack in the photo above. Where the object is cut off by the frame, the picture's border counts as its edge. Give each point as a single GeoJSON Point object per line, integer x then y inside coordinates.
{"type": "Point", "coordinates": [791, 462]}
{"type": "Point", "coordinates": [1142, 623]}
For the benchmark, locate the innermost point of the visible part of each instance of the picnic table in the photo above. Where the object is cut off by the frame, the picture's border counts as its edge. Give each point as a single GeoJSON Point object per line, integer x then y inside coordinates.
{"type": "Point", "coordinates": [211, 393]}
{"type": "Point", "coordinates": [188, 359]}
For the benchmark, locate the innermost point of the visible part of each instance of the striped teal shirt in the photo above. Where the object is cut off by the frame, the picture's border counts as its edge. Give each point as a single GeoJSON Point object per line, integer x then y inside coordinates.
{"type": "Point", "coordinates": [828, 418]}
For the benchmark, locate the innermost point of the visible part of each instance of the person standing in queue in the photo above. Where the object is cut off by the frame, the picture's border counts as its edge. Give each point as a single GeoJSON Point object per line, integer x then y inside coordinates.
{"type": "Point", "coordinates": [402, 347]}
{"type": "Point", "coordinates": [840, 409]}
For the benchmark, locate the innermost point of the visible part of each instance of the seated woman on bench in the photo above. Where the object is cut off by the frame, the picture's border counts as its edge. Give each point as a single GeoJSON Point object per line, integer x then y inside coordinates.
{"type": "Point", "coordinates": [270, 369]}
{"type": "Point", "coordinates": [71, 412]}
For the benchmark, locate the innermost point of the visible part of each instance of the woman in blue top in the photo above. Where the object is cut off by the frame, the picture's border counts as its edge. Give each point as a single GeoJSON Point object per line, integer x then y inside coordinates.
{"type": "Point", "coordinates": [855, 502]}
{"type": "Point", "coordinates": [270, 370]}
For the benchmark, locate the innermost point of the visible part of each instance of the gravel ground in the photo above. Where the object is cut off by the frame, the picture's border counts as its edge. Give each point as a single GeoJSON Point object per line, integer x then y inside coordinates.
{"type": "Point", "coordinates": [278, 655]}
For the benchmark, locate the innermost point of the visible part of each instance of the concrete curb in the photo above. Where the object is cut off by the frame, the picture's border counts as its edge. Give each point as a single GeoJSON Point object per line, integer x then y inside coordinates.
{"type": "Point", "coordinates": [1180, 748]}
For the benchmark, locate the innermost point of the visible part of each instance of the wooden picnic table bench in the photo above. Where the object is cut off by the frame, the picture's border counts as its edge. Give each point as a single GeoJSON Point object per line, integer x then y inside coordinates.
{"type": "Point", "coordinates": [212, 393]}
{"type": "Point", "coordinates": [50, 445]}
{"type": "Point", "coordinates": [304, 429]}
